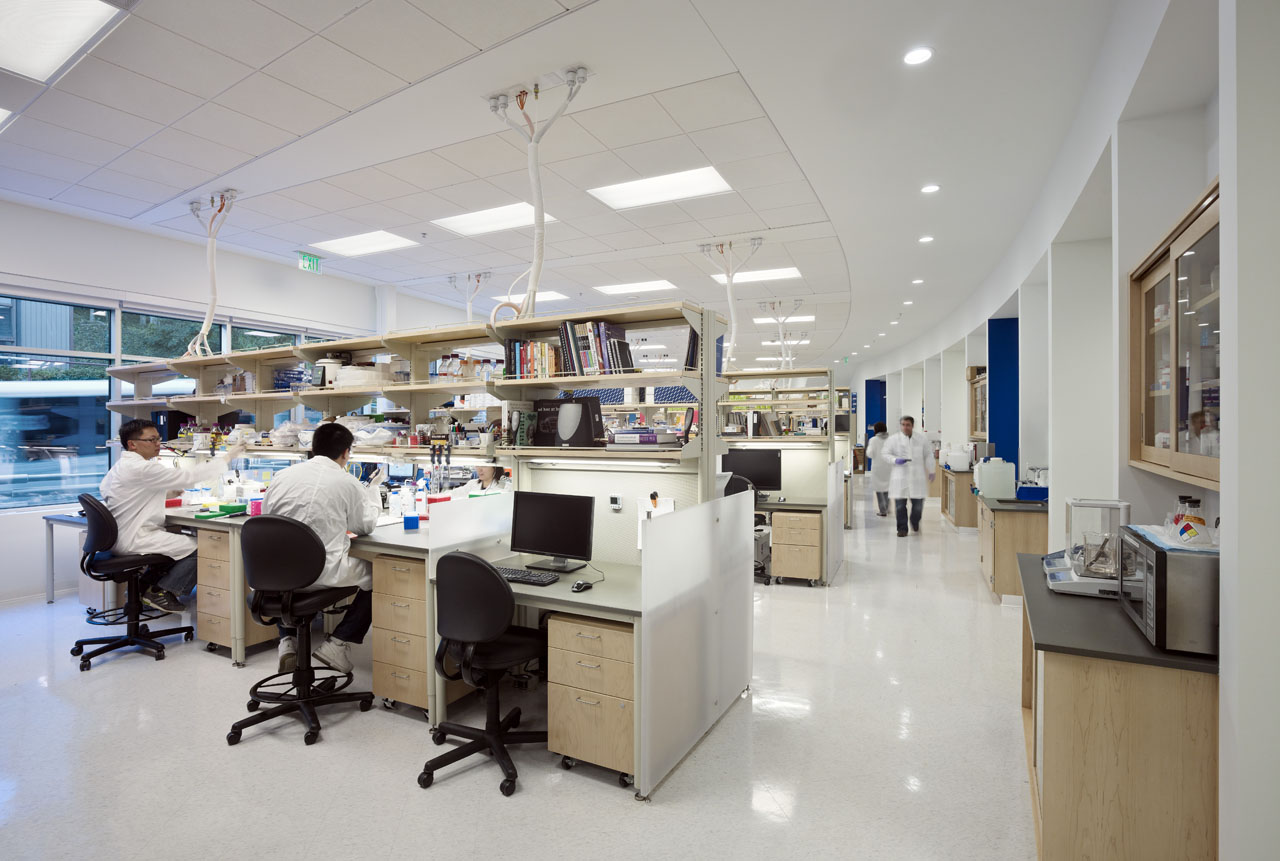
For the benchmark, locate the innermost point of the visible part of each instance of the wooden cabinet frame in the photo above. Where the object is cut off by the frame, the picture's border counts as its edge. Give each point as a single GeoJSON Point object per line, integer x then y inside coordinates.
{"type": "Point", "coordinates": [979, 411]}
{"type": "Point", "coordinates": [1160, 264]}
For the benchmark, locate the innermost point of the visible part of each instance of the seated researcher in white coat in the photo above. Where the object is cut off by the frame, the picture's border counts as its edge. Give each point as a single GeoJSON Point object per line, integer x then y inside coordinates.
{"type": "Point", "coordinates": [488, 481]}
{"type": "Point", "coordinates": [322, 494]}
{"type": "Point", "coordinates": [135, 490]}
{"type": "Point", "coordinates": [913, 469]}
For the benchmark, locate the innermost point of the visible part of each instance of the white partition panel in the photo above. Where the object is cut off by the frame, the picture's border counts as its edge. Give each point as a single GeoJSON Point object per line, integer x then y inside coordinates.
{"type": "Point", "coordinates": [835, 519]}
{"type": "Point", "coordinates": [696, 628]}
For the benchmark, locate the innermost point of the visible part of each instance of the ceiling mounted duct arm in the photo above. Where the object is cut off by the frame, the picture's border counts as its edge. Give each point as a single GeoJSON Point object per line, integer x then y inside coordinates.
{"type": "Point", "coordinates": [533, 134]}
{"type": "Point", "coordinates": [220, 208]}
{"type": "Point", "coordinates": [730, 268]}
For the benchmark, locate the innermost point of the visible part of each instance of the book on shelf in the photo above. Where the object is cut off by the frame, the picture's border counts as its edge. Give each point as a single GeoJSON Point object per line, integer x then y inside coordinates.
{"type": "Point", "coordinates": [614, 446]}
{"type": "Point", "coordinates": [637, 437]}
{"type": "Point", "coordinates": [527, 359]}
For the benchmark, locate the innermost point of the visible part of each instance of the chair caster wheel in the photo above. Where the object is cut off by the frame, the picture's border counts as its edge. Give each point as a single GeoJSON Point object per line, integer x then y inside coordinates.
{"type": "Point", "coordinates": [438, 737]}
{"type": "Point", "coordinates": [425, 779]}
{"type": "Point", "coordinates": [625, 780]}
{"type": "Point", "coordinates": [365, 705]}
{"type": "Point", "coordinates": [252, 705]}
{"type": "Point", "coordinates": [312, 736]}
{"type": "Point", "coordinates": [233, 737]}
{"type": "Point", "coordinates": [211, 647]}
{"type": "Point", "coordinates": [567, 762]}
{"type": "Point", "coordinates": [188, 637]}
{"type": "Point", "coordinates": [77, 650]}
{"type": "Point", "coordinates": [84, 665]}
{"type": "Point", "coordinates": [508, 787]}
{"type": "Point", "coordinates": [143, 630]}
{"type": "Point", "coordinates": [160, 655]}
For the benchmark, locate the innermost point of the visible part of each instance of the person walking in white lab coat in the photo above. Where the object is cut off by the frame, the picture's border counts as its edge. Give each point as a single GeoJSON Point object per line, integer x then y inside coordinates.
{"type": "Point", "coordinates": [881, 467]}
{"type": "Point", "coordinates": [913, 469]}
{"type": "Point", "coordinates": [135, 490]}
{"type": "Point", "coordinates": [322, 494]}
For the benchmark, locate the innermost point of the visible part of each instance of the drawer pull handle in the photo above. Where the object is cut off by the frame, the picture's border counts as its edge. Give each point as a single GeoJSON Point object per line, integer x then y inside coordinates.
{"type": "Point", "coordinates": [396, 675]}
{"type": "Point", "coordinates": [587, 702]}
{"type": "Point", "coordinates": [588, 666]}
{"type": "Point", "coordinates": [398, 640]}
{"type": "Point", "coordinates": [215, 537]}
{"type": "Point", "coordinates": [211, 594]}
{"type": "Point", "coordinates": [587, 636]}
{"type": "Point", "coordinates": [398, 604]}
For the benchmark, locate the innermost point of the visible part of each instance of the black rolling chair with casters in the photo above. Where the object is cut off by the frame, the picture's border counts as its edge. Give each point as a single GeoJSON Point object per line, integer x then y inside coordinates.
{"type": "Point", "coordinates": [129, 569]}
{"type": "Point", "coordinates": [742, 484]}
{"type": "Point", "coordinates": [474, 606]}
{"type": "Point", "coordinates": [283, 556]}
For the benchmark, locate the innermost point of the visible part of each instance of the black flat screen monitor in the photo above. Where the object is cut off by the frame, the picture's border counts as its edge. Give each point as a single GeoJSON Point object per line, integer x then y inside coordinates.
{"type": "Point", "coordinates": [553, 524]}
{"type": "Point", "coordinates": [400, 471]}
{"type": "Point", "coordinates": [761, 466]}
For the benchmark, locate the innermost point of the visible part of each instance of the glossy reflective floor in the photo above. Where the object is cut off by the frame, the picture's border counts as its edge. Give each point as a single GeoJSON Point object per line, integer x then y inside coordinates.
{"type": "Point", "coordinates": [884, 722]}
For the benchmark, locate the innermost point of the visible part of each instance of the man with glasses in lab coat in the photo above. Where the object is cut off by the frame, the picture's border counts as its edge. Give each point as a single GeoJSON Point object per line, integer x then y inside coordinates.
{"type": "Point", "coordinates": [135, 490]}
{"type": "Point", "coordinates": [913, 468]}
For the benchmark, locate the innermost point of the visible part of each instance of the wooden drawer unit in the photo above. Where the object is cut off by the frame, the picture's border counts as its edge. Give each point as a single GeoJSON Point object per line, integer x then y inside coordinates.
{"type": "Point", "coordinates": [213, 572]}
{"type": "Point", "coordinates": [406, 615]}
{"type": "Point", "coordinates": [404, 578]}
{"type": "Point", "coordinates": [790, 535]}
{"type": "Point", "coordinates": [214, 601]}
{"type": "Point", "coordinates": [797, 520]}
{"type": "Point", "coordinates": [402, 650]}
{"type": "Point", "coordinates": [212, 544]}
{"type": "Point", "coordinates": [217, 629]}
{"type": "Point", "coordinates": [798, 561]}
{"type": "Point", "coordinates": [400, 684]}
{"type": "Point", "coordinates": [596, 637]}
{"type": "Point", "coordinates": [598, 675]}
{"type": "Point", "coordinates": [592, 727]}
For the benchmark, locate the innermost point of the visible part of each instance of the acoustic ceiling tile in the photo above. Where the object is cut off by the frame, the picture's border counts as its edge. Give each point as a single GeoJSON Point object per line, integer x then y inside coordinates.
{"type": "Point", "coordinates": [241, 29]}
{"type": "Point", "coordinates": [395, 36]}
{"type": "Point", "coordinates": [713, 102]}
{"type": "Point", "coordinates": [142, 47]}
{"type": "Point", "coordinates": [219, 124]}
{"type": "Point", "coordinates": [484, 23]}
{"type": "Point", "coordinates": [272, 101]}
{"type": "Point", "coordinates": [61, 108]}
{"type": "Point", "coordinates": [334, 74]}
{"type": "Point", "coordinates": [119, 88]}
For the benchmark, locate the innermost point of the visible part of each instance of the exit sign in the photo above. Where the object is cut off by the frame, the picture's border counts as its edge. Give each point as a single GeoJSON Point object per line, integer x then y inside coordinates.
{"type": "Point", "coordinates": [309, 262]}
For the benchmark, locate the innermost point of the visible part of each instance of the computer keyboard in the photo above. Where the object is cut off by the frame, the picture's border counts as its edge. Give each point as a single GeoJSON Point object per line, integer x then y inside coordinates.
{"type": "Point", "coordinates": [524, 575]}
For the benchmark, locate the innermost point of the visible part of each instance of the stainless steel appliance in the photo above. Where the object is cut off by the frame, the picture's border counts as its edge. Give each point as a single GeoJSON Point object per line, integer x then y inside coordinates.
{"type": "Point", "coordinates": [1170, 592]}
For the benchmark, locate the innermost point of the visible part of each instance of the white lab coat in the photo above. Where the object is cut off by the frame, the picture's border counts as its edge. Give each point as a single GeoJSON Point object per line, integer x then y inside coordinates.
{"type": "Point", "coordinates": [135, 490]}
{"type": "Point", "coordinates": [333, 502]}
{"type": "Point", "coordinates": [911, 479]}
{"type": "Point", "coordinates": [881, 466]}
{"type": "Point", "coordinates": [473, 488]}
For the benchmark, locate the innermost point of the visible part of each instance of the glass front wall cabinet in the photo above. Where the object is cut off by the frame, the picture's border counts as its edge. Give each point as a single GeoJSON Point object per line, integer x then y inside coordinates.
{"type": "Point", "coordinates": [1176, 349]}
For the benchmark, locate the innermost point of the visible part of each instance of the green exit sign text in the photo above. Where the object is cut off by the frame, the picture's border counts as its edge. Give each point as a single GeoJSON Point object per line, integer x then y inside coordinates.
{"type": "Point", "coordinates": [309, 262]}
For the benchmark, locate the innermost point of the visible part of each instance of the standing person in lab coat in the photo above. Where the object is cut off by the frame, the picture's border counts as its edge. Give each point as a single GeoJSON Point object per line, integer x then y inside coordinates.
{"type": "Point", "coordinates": [135, 490]}
{"type": "Point", "coordinates": [881, 468]}
{"type": "Point", "coordinates": [490, 479]}
{"type": "Point", "coordinates": [913, 468]}
{"type": "Point", "coordinates": [322, 494]}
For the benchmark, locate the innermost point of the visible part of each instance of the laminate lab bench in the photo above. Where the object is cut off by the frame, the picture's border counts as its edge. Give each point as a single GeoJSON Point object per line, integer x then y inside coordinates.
{"type": "Point", "coordinates": [595, 666]}
{"type": "Point", "coordinates": [958, 503]}
{"type": "Point", "coordinates": [1122, 737]}
{"type": "Point", "coordinates": [798, 537]}
{"type": "Point", "coordinates": [1006, 529]}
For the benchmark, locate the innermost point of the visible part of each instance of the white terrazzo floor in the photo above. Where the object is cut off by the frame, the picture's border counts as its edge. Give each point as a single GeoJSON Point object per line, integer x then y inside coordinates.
{"type": "Point", "coordinates": [883, 722]}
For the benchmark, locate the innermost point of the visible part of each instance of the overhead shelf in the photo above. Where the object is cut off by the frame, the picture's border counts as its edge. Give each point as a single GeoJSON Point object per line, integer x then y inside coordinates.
{"type": "Point", "coordinates": [457, 334]}
{"type": "Point", "coordinates": [154, 372]}
{"type": "Point", "coordinates": [777, 374]}
{"type": "Point", "coordinates": [686, 378]}
{"type": "Point", "coordinates": [138, 408]}
{"type": "Point", "coordinates": [662, 312]}
{"type": "Point", "coordinates": [689, 452]}
{"type": "Point", "coordinates": [317, 350]}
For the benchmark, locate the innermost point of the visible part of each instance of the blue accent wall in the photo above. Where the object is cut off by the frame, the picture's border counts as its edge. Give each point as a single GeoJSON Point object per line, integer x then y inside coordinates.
{"type": "Point", "coordinates": [1002, 387]}
{"type": "Point", "coordinates": [875, 404]}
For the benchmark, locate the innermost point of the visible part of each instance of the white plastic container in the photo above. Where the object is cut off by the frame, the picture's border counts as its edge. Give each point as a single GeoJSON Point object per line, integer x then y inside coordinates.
{"type": "Point", "coordinates": [995, 479]}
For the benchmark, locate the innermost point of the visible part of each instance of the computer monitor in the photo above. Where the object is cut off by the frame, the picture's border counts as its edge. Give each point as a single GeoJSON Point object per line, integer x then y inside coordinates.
{"type": "Point", "coordinates": [553, 524]}
{"type": "Point", "coordinates": [401, 470]}
{"type": "Point", "coordinates": [761, 466]}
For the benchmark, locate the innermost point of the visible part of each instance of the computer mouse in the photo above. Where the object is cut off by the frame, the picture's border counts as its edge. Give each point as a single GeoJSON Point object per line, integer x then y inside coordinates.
{"type": "Point", "coordinates": [582, 585]}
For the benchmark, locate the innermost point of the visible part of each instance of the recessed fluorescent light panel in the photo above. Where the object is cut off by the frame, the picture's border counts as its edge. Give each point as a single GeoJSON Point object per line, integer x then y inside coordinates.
{"type": "Point", "coordinates": [660, 189]}
{"type": "Point", "coordinates": [38, 37]}
{"type": "Point", "coordinates": [543, 296]}
{"type": "Point", "coordinates": [364, 243]}
{"type": "Point", "coordinates": [759, 275]}
{"type": "Point", "coordinates": [804, 318]}
{"type": "Point", "coordinates": [4, 115]}
{"type": "Point", "coordinates": [490, 220]}
{"type": "Point", "coordinates": [779, 343]}
{"type": "Point", "coordinates": [641, 287]}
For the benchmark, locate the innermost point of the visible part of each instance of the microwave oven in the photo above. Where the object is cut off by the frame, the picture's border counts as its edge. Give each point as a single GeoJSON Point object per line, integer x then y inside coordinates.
{"type": "Point", "coordinates": [1169, 592]}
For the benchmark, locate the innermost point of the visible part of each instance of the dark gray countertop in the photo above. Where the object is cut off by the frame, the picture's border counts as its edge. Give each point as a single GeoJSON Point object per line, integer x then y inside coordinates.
{"type": "Point", "coordinates": [1091, 627]}
{"type": "Point", "coordinates": [1029, 507]}
{"type": "Point", "coordinates": [793, 503]}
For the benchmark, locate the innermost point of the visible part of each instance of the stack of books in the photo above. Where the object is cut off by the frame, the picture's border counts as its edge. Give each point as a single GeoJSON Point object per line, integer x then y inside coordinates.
{"type": "Point", "coordinates": [644, 439]}
{"type": "Point", "coordinates": [595, 348]}
{"type": "Point", "coordinates": [533, 359]}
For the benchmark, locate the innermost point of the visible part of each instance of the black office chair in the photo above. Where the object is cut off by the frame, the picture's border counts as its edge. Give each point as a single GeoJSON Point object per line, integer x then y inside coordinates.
{"type": "Point", "coordinates": [474, 606]}
{"type": "Point", "coordinates": [283, 556]}
{"type": "Point", "coordinates": [742, 484]}
{"type": "Point", "coordinates": [130, 569]}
